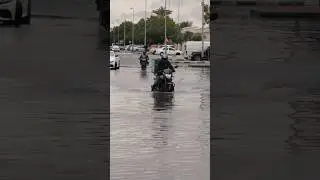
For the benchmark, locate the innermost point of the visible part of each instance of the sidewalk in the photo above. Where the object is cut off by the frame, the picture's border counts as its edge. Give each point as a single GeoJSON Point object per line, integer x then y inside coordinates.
{"type": "Point", "coordinates": [191, 63]}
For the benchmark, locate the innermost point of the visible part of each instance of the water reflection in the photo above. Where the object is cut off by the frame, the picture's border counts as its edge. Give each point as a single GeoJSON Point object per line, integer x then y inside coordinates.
{"type": "Point", "coordinates": [306, 123]}
{"type": "Point", "coordinates": [297, 28]}
{"type": "Point", "coordinates": [143, 74]}
{"type": "Point", "coordinates": [160, 132]}
{"type": "Point", "coordinates": [163, 101]}
{"type": "Point", "coordinates": [10, 35]}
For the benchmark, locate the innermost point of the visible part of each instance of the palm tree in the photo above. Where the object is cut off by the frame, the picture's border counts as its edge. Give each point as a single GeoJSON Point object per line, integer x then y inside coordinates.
{"type": "Point", "coordinates": [161, 11]}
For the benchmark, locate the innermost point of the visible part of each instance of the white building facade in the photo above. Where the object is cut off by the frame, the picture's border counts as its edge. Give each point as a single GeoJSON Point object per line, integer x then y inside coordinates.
{"type": "Point", "coordinates": [194, 29]}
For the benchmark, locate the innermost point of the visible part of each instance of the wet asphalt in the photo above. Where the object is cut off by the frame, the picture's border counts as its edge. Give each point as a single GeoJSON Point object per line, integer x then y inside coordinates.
{"type": "Point", "coordinates": [265, 98]}
{"type": "Point", "coordinates": [159, 135]}
{"type": "Point", "coordinates": [54, 99]}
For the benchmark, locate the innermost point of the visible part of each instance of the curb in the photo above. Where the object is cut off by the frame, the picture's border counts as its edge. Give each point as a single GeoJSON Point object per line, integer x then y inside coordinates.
{"type": "Point", "coordinates": [199, 64]}
{"type": "Point", "coordinates": [193, 63]}
{"type": "Point", "coordinates": [202, 66]}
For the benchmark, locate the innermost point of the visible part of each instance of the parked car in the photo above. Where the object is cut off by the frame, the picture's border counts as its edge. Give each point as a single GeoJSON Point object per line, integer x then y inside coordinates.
{"type": "Point", "coordinates": [152, 49]}
{"type": "Point", "coordinates": [170, 51]}
{"type": "Point", "coordinates": [196, 55]}
{"type": "Point", "coordinates": [168, 45]}
{"type": "Point", "coordinates": [15, 11]}
{"type": "Point", "coordinates": [138, 48]}
{"type": "Point", "coordinates": [122, 48]}
{"type": "Point", "coordinates": [127, 47]}
{"type": "Point", "coordinates": [115, 48]}
{"type": "Point", "coordinates": [194, 46]}
{"type": "Point", "coordinates": [114, 60]}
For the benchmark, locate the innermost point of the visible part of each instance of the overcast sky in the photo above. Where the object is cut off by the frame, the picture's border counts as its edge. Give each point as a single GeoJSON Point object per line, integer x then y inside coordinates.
{"type": "Point", "coordinates": [189, 9]}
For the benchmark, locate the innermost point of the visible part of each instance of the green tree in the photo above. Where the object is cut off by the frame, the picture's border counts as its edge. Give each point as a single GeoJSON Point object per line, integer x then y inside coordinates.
{"type": "Point", "coordinates": [139, 32]}
{"type": "Point", "coordinates": [160, 11]}
{"type": "Point", "coordinates": [196, 37]}
{"type": "Point", "coordinates": [128, 30]}
{"type": "Point", "coordinates": [185, 24]}
{"type": "Point", "coordinates": [187, 36]}
{"type": "Point", "coordinates": [155, 29]}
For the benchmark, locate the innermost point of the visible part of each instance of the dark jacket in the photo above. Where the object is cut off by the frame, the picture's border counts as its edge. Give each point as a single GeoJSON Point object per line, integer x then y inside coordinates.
{"type": "Point", "coordinates": [144, 56]}
{"type": "Point", "coordinates": [164, 64]}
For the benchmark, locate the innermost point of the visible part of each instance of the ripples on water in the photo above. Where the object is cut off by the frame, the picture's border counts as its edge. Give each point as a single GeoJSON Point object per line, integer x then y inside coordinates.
{"type": "Point", "coordinates": [265, 98]}
{"type": "Point", "coordinates": [159, 135]}
{"type": "Point", "coordinates": [306, 122]}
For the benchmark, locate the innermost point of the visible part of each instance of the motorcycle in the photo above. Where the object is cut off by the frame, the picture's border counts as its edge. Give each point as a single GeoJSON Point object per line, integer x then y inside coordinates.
{"type": "Point", "coordinates": [165, 83]}
{"type": "Point", "coordinates": [143, 62]}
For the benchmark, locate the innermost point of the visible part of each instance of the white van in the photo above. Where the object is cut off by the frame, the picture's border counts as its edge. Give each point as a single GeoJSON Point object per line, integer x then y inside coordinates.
{"type": "Point", "coordinates": [193, 46]}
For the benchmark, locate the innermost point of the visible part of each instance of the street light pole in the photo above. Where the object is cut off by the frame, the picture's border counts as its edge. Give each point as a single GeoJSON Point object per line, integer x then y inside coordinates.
{"type": "Point", "coordinates": [114, 34]}
{"type": "Point", "coordinates": [179, 11]}
{"type": "Point", "coordinates": [165, 28]}
{"type": "Point", "coordinates": [145, 24]}
{"type": "Point", "coordinates": [124, 33]}
{"type": "Point", "coordinates": [202, 26]}
{"type": "Point", "coordinates": [180, 44]}
{"type": "Point", "coordinates": [118, 32]}
{"type": "Point", "coordinates": [132, 28]}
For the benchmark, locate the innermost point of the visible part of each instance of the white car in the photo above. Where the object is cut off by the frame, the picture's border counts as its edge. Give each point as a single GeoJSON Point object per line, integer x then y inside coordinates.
{"type": "Point", "coordinates": [15, 11]}
{"type": "Point", "coordinates": [170, 51]}
{"type": "Point", "coordinates": [115, 48]}
{"type": "Point", "coordinates": [139, 48]}
{"type": "Point", "coordinates": [168, 45]}
{"type": "Point", "coordinates": [114, 60]}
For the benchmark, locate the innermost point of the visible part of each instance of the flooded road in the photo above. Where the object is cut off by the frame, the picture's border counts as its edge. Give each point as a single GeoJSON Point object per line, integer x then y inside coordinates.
{"type": "Point", "coordinates": [54, 99]}
{"type": "Point", "coordinates": [265, 99]}
{"type": "Point", "coordinates": [159, 135]}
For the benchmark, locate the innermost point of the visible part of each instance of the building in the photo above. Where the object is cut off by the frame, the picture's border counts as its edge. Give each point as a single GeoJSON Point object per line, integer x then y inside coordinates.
{"type": "Point", "coordinates": [194, 29]}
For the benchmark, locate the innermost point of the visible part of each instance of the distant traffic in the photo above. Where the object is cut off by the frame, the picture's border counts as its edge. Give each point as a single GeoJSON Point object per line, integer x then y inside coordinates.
{"type": "Point", "coordinates": [190, 50]}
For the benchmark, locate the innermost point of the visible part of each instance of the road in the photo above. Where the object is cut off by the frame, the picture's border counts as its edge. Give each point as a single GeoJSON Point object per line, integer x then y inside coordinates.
{"type": "Point", "coordinates": [54, 102]}
{"type": "Point", "coordinates": [159, 135]}
{"type": "Point", "coordinates": [54, 99]}
{"type": "Point", "coordinates": [265, 99]}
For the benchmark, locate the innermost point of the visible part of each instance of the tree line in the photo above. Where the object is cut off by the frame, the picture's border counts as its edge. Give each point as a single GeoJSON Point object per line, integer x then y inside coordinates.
{"type": "Point", "coordinates": [155, 29]}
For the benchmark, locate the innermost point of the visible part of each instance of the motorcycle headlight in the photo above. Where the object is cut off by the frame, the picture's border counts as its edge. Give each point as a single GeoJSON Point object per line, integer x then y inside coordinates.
{"type": "Point", "coordinates": [168, 76]}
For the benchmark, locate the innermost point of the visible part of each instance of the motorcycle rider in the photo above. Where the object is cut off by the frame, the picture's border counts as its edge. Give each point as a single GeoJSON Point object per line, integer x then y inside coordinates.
{"type": "Point", "coordinates": [164, 63]}
{"type": "Point", "coordinates": [145, 56]}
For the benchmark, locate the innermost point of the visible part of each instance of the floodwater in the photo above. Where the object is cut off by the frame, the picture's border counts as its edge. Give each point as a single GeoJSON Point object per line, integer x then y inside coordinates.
{"type": "Point", "coordinates": [265, 99]}
{"type": "Point", "coordinates": [54, 98]}
{"type": "Point", "coordinates": [54, 101]}
{"type": "Point", "coordinates": [159, 135]}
